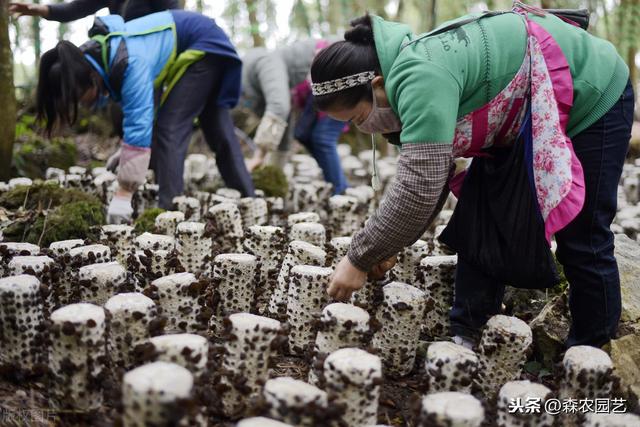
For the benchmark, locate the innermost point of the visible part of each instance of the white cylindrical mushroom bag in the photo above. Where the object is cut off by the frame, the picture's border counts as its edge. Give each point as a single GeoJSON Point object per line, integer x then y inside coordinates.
{"type": "Point", "coordinates": [341, 326]}
{"type": "Point", "coordinates": [352, 379]}
{"type": "Point", "coordinates": [450, 409]}
{"type": "Point", "coordinates": [450, 367]}
{"type": "Point", "coordinates": [132, 315]}
{"type": "Point", "coordinates": [307, 296]}
{"type": "Point", "coordinates": [587, 373]}
{"type": "Point", "coordinates": [399, 315]}
{"type": "Point", "coordinates": [519, 394]}
{"type": "Point", "coordinates": [22, 317]}
{"type": "Point", "coordinates": [78, 356]}
{"type": "Point", "coordinates": [248, 341]}
{"type": "Point", "coordinates": [267, 243]}
{"type": "Point", "coordinates": [295, 402]}
{"type": "Point", "coordinates": [299, 253]}
{"type": "Point", "coordinates": [156, 394]}
{"type": "Point", "coordinates": [504, 346]}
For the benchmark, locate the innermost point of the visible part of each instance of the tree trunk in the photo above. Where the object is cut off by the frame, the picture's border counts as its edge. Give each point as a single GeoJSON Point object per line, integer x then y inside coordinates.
{"type": "Point", "coordinates": [62, 27]}
{"type": "Point", "coordinates": [633, 69]}
{"type": "Point", "coordinates": [433, 16]}
{"type": "Point", "coordinates": [321, 17]}
{"type": "Point", "coordinates": [7, 95]}
{"type": "Point", "coordinates": [401, 5]}
{"type": "Point", "coordinates": [334, 16]}
{"type": "Point", "coordinates": [254, 25]}
{"type": "Point", "coordinates": [200, 6]}
{"type": "Point", "coordinates": [35, 33]}
{"type": "Point", "coordinates": [379, 8]}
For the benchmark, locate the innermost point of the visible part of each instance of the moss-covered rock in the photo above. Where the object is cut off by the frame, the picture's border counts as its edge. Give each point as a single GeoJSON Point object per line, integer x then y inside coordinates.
{"type": "Point", "coordinates": [550, 330]}
{"type": "Point", "coordinates": [563, 284]}
{"type": "Point", "coordinates": [34, 155]}
{"type": "Point", "coordinates": [42, 195]}
{"type": "Point", "coordinates": [271, 180]}
{"type": "Point", "coordinates": [78, 220]}
{"type": "Point", "coordinates": [51, 213]}
{"type": "Point", "coordinates": [626, 366]}
{"type": "Point", "coordinates": [147, 221]}
{"type": "Point", "coordinates": [627, 254]}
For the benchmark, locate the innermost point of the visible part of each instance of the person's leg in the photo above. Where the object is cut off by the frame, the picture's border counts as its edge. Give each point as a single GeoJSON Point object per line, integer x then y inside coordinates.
{"type": "Point", "coordinates": [324, 140]}
{"type": "Point", "coordinates": [217, 127]}
{"type": "Point", "coordinates": [477, 297]}
{"type": "Point", "coordinates": [174, 125]}
{"type": "Point", "coordinates": [586, 245]}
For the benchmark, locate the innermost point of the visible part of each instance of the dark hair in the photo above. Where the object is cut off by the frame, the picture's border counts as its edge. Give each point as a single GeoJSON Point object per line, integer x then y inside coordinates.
{"type": "Point", "coordinates": [65, 75]}
{"type": "Point", "coordinates": [357, 53]}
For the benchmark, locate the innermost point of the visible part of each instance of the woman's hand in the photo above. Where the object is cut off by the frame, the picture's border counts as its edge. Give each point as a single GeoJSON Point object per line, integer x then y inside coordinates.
{"type": "Point", "coordinates": [346, 279]}
{"type": "Point", "coordinates": [120, 209]}
{"type": "Point", "coordinates": [25, 9]}
{"type": "Point", "coordinates": [256, 161]}
{"type": "Point", "coordinates": [379, 270]}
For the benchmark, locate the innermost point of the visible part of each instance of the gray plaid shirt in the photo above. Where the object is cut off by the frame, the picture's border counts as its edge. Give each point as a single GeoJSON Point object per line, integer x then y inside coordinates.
{"type": "Point", "coordinates": [416, 196]}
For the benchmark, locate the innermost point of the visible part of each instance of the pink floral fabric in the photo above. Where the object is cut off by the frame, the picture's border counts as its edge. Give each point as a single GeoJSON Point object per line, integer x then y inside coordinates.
{"type": "Point", "coordinates": [502, 117]}
{"type": "Point", "coordinates": [557, 173]}
{"type": "Point", "coordinates": [551, 157]}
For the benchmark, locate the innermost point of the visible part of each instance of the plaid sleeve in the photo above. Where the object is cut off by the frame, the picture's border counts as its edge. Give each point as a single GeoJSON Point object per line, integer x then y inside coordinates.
{"type": "Point", "coordinates": [419, 188]}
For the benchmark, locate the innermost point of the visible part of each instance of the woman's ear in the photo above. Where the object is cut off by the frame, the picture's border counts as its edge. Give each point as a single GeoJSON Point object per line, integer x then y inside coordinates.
{"type": "Point", "coordinates": [378, 82]}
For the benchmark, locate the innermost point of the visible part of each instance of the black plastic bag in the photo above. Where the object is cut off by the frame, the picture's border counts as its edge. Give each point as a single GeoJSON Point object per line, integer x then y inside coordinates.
{"type": "Point", "coordinates": [496, 225]}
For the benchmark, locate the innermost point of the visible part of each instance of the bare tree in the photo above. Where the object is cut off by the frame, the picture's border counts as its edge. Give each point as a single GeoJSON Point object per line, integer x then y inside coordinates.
{"type": "Point", "coordinates": [62, 27]}
{"type": "Point", "coordinates": [7, 95]}
{"type": "Point", "coordinates": [35, 34]}
{"type": "Point", "coordinates": [254, 24]}
{"type": "Point", "coordinates": [433, 15]}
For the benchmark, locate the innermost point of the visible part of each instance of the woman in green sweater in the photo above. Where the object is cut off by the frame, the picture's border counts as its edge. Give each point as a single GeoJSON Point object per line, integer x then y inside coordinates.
{"type": "Point", "coordinates": [474, 89]}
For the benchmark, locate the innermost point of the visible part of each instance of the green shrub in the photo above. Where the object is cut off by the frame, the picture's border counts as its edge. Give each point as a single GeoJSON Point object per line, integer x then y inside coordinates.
{"type": "Point", "coordinates": [25, 126]}
{"type": "Point", "coordinates": [271, 180]}
{"type": "Point", "coordinates": [147, 221]}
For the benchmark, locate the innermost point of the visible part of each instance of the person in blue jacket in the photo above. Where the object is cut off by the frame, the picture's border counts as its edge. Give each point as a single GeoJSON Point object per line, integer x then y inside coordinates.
{"type": "Point", "coordinates": [165, 69]}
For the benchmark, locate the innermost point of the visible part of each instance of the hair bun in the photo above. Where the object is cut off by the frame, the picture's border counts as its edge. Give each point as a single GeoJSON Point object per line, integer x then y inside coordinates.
{"type": "Point", "coordinates": [361, 31]}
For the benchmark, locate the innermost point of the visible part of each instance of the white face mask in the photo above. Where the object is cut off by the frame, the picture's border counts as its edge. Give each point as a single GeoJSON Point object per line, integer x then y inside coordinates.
{"type": "Point", "coordinates": [380, 120]}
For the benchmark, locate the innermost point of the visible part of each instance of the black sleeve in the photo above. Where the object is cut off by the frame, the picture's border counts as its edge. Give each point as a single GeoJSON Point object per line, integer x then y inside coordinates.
{"type": "Point", "coordinates": [160, 5]}
{"type": "Point", "coordinates": [66, 12]}
{"type": "Point", "coordinates": [139, 8]}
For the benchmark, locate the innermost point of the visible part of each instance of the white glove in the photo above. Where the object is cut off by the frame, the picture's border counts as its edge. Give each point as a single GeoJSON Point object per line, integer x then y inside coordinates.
{"type": "Point", "coordinates": [120, 210]}
{"type": "Point", "coordinates": [269, 132]}
{"type": "Point", "coordinates": [113, 161]}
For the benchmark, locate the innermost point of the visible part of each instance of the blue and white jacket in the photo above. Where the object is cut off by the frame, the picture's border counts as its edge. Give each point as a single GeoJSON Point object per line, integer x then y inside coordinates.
{"type": "Point", "coordinates": [149, 54]}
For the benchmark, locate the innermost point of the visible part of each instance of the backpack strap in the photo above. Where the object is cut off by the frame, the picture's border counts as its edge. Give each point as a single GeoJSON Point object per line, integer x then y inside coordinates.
{"type": "Point", "coordinates": [576, 17]}
{"type": "Point", "coordinates": [453, 26]}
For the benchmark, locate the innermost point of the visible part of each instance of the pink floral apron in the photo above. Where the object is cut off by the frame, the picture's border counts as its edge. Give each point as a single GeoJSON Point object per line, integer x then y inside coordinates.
{"type": "Point", "coordinates": [545, 79]}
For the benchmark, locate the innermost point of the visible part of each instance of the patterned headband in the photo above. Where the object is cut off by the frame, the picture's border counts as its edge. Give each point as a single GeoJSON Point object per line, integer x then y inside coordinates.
{"type": "Point", "coordinates": [342, 83]}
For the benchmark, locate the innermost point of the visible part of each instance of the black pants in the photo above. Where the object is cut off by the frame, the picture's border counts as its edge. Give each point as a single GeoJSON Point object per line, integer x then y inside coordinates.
{"type": "Point", "coordinates": [195, 95]}
{"type": "Point", "coordinates": [585, 246]}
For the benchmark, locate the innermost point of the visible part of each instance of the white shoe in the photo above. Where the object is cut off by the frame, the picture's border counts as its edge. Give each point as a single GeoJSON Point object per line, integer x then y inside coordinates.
{"type": "Point", "coordinates": [465, 342]}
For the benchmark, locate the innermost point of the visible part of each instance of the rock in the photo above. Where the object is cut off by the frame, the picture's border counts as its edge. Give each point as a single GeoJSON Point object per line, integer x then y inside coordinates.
{"type": "Point", "coordinates": [524, 303]}
{"type": "Point", "coordinates": [627, 254]}
{"type": "Point", "coordinates": [550, 330]}
{"type": "Point", "coordinates": [625, 354]}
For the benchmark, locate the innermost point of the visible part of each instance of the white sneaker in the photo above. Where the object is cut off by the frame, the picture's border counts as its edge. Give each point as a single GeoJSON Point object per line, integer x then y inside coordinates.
{"type": "Point", "coordinates": [465, 342]}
